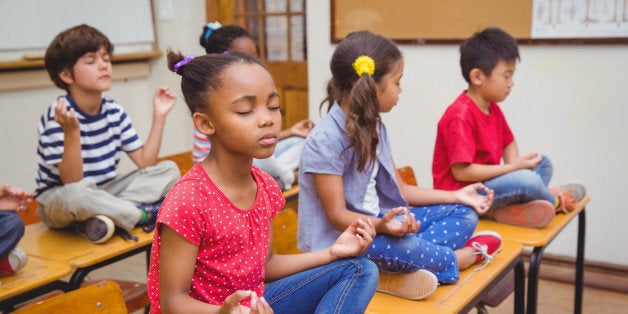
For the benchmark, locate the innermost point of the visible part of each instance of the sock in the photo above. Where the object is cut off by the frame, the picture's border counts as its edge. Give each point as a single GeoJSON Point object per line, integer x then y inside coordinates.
{"type": "Point", "coordinates": [143, 217]}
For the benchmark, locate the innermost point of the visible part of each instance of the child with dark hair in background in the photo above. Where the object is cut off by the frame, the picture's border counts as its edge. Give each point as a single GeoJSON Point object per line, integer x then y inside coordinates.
{"type": "Point", "coordinates": [282, 165]}
{"type": "Point", "coordinates": [12, 200]}
{"type": "Point", "coordinates": [473, 137]}
{"type": "Point", "coordinates": [347, 172]}
{"type": "Point", "coordinates": [213, 244]}
{"type": "Point", "coordinates": [81, 137]}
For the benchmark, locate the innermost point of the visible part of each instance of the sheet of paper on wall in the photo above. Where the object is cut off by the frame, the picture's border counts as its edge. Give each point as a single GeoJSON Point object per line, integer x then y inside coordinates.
{"type": "Point", "coordinates": [579, 18]}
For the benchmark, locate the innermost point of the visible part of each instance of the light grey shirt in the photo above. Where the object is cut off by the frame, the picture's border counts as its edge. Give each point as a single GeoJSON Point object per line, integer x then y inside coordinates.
{"type": "Point", "coordinates": [327, 151]}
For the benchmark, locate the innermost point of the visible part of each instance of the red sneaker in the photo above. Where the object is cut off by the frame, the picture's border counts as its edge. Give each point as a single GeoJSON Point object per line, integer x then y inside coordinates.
{"type": "Point", "coordinates": [568, 195]}
{"type": "Point", "coordinates": [485, 243]}
{"type": "Point", "coordinates": [12, 263]}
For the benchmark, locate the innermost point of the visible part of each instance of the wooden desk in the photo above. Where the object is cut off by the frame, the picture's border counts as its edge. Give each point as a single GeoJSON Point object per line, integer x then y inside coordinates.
{"type": "Point", "coordinates": [83, 256]}
{"type": "Point", "coordinates": [39, 276]}
{"type": "Point", "coordinates": [539, 239]}
{"type": "Point", "coordinates": [467, 293]}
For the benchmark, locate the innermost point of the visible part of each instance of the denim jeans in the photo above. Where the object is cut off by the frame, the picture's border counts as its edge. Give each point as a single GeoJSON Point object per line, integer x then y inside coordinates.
{"type": "Point", "coordinates": [444, 229]}
{"type": "Point", "coordinates": [11, 231]}
{"type": "Point", "coordinates": [343, 286]}
{"type": "Point", "coordinates": [523, 185]}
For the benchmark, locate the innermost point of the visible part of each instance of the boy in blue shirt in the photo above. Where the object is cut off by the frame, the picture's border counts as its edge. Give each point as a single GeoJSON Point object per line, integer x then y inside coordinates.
{"type": "Point", "coordinates": [81, 136]}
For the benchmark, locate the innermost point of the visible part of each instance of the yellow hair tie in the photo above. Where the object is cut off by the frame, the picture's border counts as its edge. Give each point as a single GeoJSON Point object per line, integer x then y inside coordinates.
{"type": "Point", "coordinates": [364, 64]}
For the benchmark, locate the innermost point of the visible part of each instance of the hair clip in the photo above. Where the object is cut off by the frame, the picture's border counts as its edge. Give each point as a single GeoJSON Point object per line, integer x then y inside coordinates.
{"type": "Point", "coordinates": [212, 26]}
{"type": "Point", "coordinates": [364, 64]}
{"type": "Point", "coordinates": [183, 62]}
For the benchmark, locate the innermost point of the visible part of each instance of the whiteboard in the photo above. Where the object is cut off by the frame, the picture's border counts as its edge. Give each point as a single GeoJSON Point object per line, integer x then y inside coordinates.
{"type": "Point", "coordinates": [28, 26]}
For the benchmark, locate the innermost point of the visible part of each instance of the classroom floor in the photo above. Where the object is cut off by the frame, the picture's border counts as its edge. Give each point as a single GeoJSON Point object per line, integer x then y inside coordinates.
{"type": "Point", "coordinates": [554, 297]}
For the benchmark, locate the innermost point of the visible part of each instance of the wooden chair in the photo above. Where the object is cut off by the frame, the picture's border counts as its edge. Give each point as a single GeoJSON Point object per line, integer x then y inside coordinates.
{"type": "Point", "coordinates": [101, 297]}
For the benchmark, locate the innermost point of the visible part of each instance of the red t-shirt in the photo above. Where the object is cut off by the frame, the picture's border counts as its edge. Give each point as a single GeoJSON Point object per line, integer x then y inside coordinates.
{"type": "Point", "coordinates": [466, 134]}
{"type": "Point", "coordinates": [232, 242]}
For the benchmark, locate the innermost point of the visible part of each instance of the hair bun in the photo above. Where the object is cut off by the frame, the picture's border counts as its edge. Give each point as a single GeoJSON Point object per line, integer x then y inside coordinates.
{"type": "Point", "coordinates": [182, 63]}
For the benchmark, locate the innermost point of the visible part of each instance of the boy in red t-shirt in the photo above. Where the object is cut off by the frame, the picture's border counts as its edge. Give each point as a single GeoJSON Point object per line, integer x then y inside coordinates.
{"type": "Point", "coordinates": [473, 137]}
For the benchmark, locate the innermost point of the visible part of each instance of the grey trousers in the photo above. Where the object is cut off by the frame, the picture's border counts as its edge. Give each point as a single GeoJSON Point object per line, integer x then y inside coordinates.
{"type": "Point", "coordinates": [117, 199]}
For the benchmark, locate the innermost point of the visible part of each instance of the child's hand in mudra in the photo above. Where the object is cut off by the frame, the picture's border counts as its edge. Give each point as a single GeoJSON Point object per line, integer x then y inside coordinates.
{"type": "Point", "coordinates": [408, 224]}
{"type": "Point", "coordinates": [232, 304]}
{"type": "Point", "coordinates": [355, 240]}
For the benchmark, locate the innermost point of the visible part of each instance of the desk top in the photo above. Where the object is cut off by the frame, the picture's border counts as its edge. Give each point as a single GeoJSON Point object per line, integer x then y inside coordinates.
{"type": "Point", "coordinates": [36, 272]}
{"type": "Point", "coordinates": [444, 300]}
{"type": "Point", "coordinates": [533, 236]}
{"type": "Point", "coordinates": [69, 247]}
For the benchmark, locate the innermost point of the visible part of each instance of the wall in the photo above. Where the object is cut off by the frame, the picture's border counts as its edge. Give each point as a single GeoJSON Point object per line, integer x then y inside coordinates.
{"type": "Point", "coordinates": [20, 110]}
{"type": "Point", "coordinates": [567, 103]}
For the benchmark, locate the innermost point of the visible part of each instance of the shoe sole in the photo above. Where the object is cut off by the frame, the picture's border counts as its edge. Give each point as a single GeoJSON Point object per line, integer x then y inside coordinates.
{"type": "Point", "coordinates": [111, 228]}
{"type": "Point", "coordinates": [417, 285]}
{"type": "Point", "coordinates": [534, 214]}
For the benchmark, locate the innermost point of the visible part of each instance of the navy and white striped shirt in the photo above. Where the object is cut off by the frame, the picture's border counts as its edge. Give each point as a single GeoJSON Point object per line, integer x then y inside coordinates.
{"type": "Point", "coordinates": [103, 137]}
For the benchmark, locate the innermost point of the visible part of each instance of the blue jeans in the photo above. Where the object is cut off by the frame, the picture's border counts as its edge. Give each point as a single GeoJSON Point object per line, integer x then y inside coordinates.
{"type": "Point", "coordinates": [444, 229]}
{"type": "Point", "coordinates": [11, 231]}
{"type": "Point", "coordinates": [343, 286]}
{"type": "Point", "coordinates": [523, 185]}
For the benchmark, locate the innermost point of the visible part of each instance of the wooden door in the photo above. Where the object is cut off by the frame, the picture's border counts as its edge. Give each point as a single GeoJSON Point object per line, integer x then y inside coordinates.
{"type": "Point", "coordinates": [278, 27]}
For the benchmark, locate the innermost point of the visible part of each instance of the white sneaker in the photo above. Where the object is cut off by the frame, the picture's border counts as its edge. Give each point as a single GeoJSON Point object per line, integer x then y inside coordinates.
{"type": "Point", "coordinates": [14, 262]}
{"type": "Point", "coordinates": [417, 285]}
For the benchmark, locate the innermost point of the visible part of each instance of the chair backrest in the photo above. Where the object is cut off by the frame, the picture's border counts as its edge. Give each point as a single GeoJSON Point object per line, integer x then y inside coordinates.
{"type": "Point", "coordinates": [101, 297]}
{"type": "Point", "coordinates": [28, 216]}
{"type": "Point", "coordinates": [407, 174]}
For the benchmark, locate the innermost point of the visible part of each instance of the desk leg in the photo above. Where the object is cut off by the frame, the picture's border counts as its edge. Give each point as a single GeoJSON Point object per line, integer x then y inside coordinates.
{"type": "Point", "coordinates": [8, 305]}
{"type": "Point", "coordinates": [580, 262]}
{"type": "Point", "coordinates": [80, 273]}
{"type": "Point", "coordinates": [533, 278]}
{"type": "Point", "coordinates": [520, 287]}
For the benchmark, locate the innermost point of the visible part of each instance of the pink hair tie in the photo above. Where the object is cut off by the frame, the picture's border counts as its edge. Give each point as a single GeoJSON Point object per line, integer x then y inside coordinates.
{"type": "Point", "coordinates": [183, 62]}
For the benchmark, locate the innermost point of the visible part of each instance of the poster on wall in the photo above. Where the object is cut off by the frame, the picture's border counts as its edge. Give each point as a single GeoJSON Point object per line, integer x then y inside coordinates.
{"type": "Point", "coordinates": [579, 18]}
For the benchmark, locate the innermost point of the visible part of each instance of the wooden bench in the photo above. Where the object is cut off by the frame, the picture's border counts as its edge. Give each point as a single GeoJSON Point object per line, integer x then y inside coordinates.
{"type": "Point", "coordinates": [83, 256]}
{"type": "Point", "coordinates": [463, 296]}
{"type": "Point", "coordinates": [473, 286]}
{"type": "Point", "coordinates": [100, 297]}
{"type": "Point", "coordinates": [539, 239]}
{"type": "Point", "coordinates": [38, 277]}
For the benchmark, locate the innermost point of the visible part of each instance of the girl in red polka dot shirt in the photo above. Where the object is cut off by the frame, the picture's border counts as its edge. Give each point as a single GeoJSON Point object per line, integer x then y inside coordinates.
{"type": "Point", "coordinates": [212, 248]}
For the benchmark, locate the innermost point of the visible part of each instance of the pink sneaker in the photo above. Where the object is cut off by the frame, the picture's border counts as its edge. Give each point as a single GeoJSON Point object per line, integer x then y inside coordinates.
{"type": "Point", "coordinates": [485, 243]}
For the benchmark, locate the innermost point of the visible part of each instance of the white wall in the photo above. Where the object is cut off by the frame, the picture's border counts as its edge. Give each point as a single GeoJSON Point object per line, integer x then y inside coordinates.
{"type": "Point", "coordinates": [20, 110]}
{"type": "Point", "coordinates": [568, 103]}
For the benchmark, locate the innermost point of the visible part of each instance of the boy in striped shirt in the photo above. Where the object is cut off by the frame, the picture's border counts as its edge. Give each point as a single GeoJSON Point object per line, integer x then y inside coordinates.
{"type": "Point", "coordinates": [81, 138]}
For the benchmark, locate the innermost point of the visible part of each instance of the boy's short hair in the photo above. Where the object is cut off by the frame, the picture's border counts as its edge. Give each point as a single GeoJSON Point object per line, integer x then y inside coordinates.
{"type": "Point", "coordinates": [485, 49]}
{"type": "Point", "coordinates": [71, 44]}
